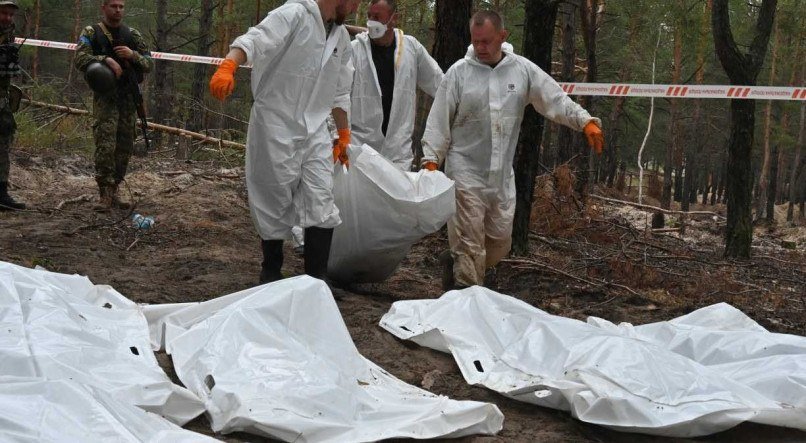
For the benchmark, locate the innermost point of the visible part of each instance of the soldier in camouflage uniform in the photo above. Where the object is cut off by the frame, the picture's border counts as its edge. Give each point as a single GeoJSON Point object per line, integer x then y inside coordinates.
{"type": "Point", "coordinates": [7, 124]}
{"type": "Point", "coordinates": [121, 48]}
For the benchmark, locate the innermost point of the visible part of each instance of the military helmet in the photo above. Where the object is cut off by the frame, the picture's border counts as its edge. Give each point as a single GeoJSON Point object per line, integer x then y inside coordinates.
{"type": "Point", "coordinates": [100, 77]}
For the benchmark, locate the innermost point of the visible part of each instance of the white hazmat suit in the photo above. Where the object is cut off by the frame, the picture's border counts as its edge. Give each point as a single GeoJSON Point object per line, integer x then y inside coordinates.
{"type": "Point", "coordinates": [299, 74]}
{"type": "Point", "coordinates": [474, 126]}
{"type": "Point", "coordinates": [414, 68]}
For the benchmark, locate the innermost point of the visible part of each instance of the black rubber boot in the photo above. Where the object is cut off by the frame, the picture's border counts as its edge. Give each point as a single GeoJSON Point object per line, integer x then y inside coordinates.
{"type": "Point", "coordinates": [6, 202]}
{"type": "Point", "coordinates": [272, 261]}
{"type": "Point", "coordinates": [317, 251]}
{"type": "Point", "coordinates": [446, 263]}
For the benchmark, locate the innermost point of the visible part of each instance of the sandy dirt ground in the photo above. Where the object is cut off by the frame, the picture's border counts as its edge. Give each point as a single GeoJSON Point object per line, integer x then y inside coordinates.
{"type": "Point", "coordinates": [204, 245]}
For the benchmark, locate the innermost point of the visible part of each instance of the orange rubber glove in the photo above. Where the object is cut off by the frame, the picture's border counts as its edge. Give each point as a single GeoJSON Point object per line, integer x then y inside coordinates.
{"type": "Point", "coordinates": [223, 81]}
{"type": "Point", "coordinates": [430, 166]}
{"type": "Point", "coordinates": [341, 146]}
{"type": "Point", "coordinates": [594, 135]}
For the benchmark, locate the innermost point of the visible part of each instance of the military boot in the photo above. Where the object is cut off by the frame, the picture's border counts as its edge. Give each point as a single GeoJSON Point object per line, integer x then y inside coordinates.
{"type": "Point", "coordinates": [117, 202]}
{"type": "Point", "coordinates": [104, 202]}
{"type": "Point", "coordinates": [6, 202]}
{"type": "Point", "coordinates": [272, 261]}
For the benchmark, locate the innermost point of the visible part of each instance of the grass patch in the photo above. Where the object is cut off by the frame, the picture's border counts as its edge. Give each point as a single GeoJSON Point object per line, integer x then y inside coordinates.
{"type": "Point", "coordinates": [38, 129]}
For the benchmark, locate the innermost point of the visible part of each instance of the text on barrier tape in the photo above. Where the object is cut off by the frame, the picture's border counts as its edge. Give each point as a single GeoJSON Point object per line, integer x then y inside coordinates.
{"type": "Point", "coordinates": [592, 89]}
{"type": "Point", "coordinates": [686, 91]}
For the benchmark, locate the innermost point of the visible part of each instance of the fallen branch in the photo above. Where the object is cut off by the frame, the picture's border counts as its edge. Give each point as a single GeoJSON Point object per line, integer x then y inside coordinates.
{"type": "Point", "coordinates": [663, 230]}
{"type": "Point", "coordinates": [196, 136]}
{"type": "Point", "coordinates": [153, 126]}
{"type": "Point", "coordinates": [60, 108]}
{"type": "Point", "coordinates": [79, 199]}
{"type": "Point", "coordinates": [572, 276]}
{"type": "Point", "coordinates": [652, 208]}
{"type": "Point", "coordinates": [133, 243]}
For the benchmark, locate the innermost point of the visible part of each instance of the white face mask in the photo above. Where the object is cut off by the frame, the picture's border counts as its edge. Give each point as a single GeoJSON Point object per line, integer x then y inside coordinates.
{"type": "Point", "coordinates": [376, 30]}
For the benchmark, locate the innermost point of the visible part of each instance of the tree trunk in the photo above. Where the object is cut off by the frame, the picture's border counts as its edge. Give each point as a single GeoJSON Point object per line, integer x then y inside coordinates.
{"type": "Point", "coordinates": [229, 26]}
{"type": "Point", "coordinates": [707, 186]}
{"type": "Point", "coordinates": [612, 151]}
{"type": "Point", "coordinates": [689, 185]}
{"type": "Point", "coordinates": [795, 190]}
{"type": "Point", "coordinates": [538, 38]}
{"type": "Point", "coordinates": [223, 44]}
{"type": "Point", "coordinates": [781, 180]}
{"type": "Point", "coordinates": [715, 183]}
{"type": "Point", "coordinates": [773, 185]}
{"type": "Point", "coordinates": [695, 145]}
{"type": "Point", "coordinates": [742, 69]}
{"type": "Point", "coordinates": [452, 31]}
{"type": "Point", "coordinates": [681, 192]}
{"type": "Point", "coordinates": [162, 94]}
{"type": "Point", "coordinates": [548, 153]}
{"type": "Point", "coordinates": [701, 184]}
{"type": "Point", "coordinates": [723, 179]}
{"type": "Point", "coordinates": [37, 23]}
{"type": "Point", "coordinates": [567, 15]}
{"type": "Point", "coordinates": [592, 13]}
{"type": "Point", "coordinates": [677, 181]}
{"type": "Point", "coordinates": [765, 164]}
{"type": "Point", "coordinates": [613, 132]}
{"type": "Point", "coordinates": [795, 79]}
{"type": "Point", "coordinates": [739, 184]}
{"type": "Point", "coordinates": [203, 43]}
{"type": "Point", "coordinates": [76, 33]}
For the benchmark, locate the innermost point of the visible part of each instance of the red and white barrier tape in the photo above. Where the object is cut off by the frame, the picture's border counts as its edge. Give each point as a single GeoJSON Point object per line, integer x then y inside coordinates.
{"type": "Point", "coordinates": [686, 91]}
{"type": "Point", "coordinates": [595, 89]}
{"type": "Point", "coordinates": [156, 55]}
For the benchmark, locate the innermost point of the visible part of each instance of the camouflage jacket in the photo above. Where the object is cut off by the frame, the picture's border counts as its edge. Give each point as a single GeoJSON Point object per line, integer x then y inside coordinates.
{"type": "Point", "coordinates": [85, 54]}
{"type": "Point", "coordinates": [6, 36]}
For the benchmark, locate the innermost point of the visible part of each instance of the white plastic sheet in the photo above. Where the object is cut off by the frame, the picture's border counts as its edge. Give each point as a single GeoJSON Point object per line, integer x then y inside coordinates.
{"type": "Point", "coordinates": [36, 410]}
{"type": "Point", "coordinates": [278, 361]}
{"type": "Point", "coordinates": [63, 327]}
{"type": "Point", "coordinates": [695, 375]}
{"type": "Point", "coordinates": [384, 211]}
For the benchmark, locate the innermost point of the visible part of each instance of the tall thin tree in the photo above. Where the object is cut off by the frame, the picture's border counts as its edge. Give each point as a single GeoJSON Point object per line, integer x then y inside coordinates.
{"type": "Point", "coordinates": [162, 94]}
{"type": "Point", "coordinates": [538, 39]}
{"type": "Point", "coordinates": [592, 14]}
{"type": "Point", "coordinates": [567, 16]}
{"type": "Point", "coordinates": [203, 43]}
{"type": "Point", "coordinates": [74, 36]}
{"type": "Point", "coordinates": [764, 176]}
{"type": "Point", "coordinates": [796, 190]}
{"type": "Point", "coordinates": [37, 24]}
{"type": "Point", "coordinates": [742, 69]}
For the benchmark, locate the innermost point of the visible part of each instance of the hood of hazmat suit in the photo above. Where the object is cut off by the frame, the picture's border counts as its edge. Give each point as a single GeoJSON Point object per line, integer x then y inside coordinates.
{"type": "Point", "coordinates": [299, 75]}
{"type": "Point", "coordinates": [414, 68]}
{"type": "Point", "coordinates": [474, 126]}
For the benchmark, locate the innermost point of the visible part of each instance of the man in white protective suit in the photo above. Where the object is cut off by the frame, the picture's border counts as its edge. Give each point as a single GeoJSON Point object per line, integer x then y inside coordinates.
{"type": "Point", "coordinates": [301, 73]}
{"type": "Point", "coordinates": [389, 67]}
{"type": "Point", "coordinates": [473, 127]}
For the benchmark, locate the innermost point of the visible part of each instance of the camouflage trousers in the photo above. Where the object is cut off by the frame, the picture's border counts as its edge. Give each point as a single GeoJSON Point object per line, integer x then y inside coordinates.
{"type": "Point", "coordinates": [114, 131]}
{"type": "Point", "coordinates": [7, 128]}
